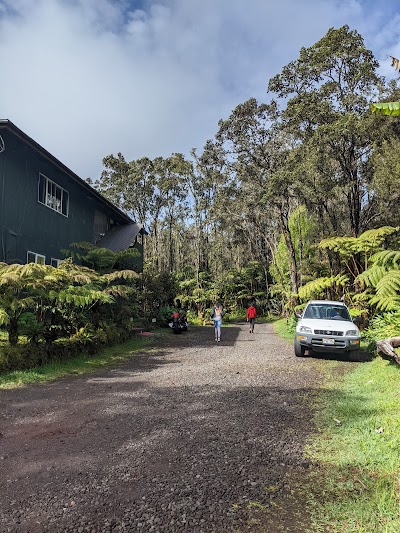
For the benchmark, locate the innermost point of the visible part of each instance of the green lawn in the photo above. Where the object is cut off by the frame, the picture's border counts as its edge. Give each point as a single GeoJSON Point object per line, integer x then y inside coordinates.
{"type": "Point", "coordinates": [355, 482]}
{"type": "Point", "coordinates": [358, 451]}
{"type": "Point", "coordinates": [76, 365]}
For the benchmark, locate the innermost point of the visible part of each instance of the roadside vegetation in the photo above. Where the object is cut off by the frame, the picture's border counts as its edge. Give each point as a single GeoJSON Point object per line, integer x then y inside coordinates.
{"type": "Point", "coordinates": [355, 476]}
{"type": "Point", "coordinates": [354, 486]}
{"type": "Point", "coordinates": [79, 365]}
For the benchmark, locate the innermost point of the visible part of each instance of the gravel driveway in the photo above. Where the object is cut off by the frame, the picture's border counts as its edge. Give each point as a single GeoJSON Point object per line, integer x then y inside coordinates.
{"type": "Point", "coordinates": [194, 436]}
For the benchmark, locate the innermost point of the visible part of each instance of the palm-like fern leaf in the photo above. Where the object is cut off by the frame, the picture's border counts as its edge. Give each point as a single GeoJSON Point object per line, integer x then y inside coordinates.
{"type": "Point", "coordinates": [387, 257]}
{"type": "Point", "coordinates": [389, 285]}
{"type": "Point", "coordinates": [119, 290]}
{"type": "Point", "coordinates": [386, 304]}
{"type": "Point", "coordinates": [343, 245]}
{"type": "Point", "coordinates": [372, 276]}
{"type": "Point", "coordinates": [318, 286]}
{"type": "Point", "coordinates": [4, 318]}
{"type": "Point", "coordinates": [386, 108]}
{"type": "Point", "coordinates": [368, 241]}
{"type": "Point", "coordinates": [120, 274]}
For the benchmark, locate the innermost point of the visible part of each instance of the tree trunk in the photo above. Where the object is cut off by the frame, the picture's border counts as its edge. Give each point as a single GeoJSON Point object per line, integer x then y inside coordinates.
{"type": "Point", "coordinates": [13, 333]}
{"type": "Point", "coordinates": [386, 349]}
{"type": "Point", "coordinates": [292, 253]}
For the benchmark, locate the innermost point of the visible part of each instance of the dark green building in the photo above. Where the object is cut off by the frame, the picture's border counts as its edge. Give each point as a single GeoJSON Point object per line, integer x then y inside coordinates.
{"type": "Point", "coordinates": [44, 206]}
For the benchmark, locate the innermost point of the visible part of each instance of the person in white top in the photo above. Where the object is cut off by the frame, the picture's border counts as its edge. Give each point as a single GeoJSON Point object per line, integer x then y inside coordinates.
{"type": "Point", "coordinates": [217, 314]}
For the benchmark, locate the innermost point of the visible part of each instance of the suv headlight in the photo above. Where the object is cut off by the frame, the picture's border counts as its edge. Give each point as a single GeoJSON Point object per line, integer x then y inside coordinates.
{"type": "Point", "coordinates": [351, 333]}
{"type": "Point", "coordinates": [305, 329]}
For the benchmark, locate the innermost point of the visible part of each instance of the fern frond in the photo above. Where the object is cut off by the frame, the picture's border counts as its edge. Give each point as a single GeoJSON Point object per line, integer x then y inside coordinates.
{"type": "Point", "coordinates": [318, 286]}
{"type": "Point", "coordinates": [378, 234]}
{"type": "Point", "coordinates": [82, 297]}
{"type": "Point", "coordinates": [389, 285]}
{"type": "Point", "coordinates": [372, 276]}
{"type": "Point", "coordinates": [120, 274]}
{"type": "Point", "coordinates": [385, 304]}
{"type": "Point", "coordinates": [22, 303]}
{"type": "Point", "coordinates": [119, 290]}
{"type": "Point", "coordinates": [342, 245]}
{"type": "Point", "coordinates": [4, 318]}
{"type": "Point", "coordinates": [361, 297]}
{"type": "Point", "coordinates": [386, 257]}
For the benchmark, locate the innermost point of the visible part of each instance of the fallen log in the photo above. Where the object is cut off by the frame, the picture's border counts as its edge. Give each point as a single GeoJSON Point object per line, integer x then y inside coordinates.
{"type": "Point", "coordinates": [386, 349]}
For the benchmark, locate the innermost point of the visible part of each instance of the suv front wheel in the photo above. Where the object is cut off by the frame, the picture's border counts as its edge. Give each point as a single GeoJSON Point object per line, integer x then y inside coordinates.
{"type": "Point", "coordinates": [299, 350]}
{"type": "Point", "coordinates": [354, 355]}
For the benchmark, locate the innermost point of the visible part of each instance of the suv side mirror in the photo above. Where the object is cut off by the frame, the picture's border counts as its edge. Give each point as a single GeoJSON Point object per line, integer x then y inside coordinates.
{"type": "Point", "coordinates": [356, 320]}
{"type": "Point", "coordinates": [298, 315]}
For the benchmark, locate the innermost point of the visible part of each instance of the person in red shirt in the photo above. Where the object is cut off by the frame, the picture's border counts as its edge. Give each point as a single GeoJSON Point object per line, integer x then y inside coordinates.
{"type": "Point", "coordinates": [251, 316]}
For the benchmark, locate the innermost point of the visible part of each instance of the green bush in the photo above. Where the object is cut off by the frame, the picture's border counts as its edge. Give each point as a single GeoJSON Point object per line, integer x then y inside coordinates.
{"type": "Point", "coordinates": [85, 340]}
{"type": "Point", "coordinates": [164, 315]}
{"type": "Point", "coordinates": [382, 327]}
{"type": "Point", "coordinates": [291, 324]}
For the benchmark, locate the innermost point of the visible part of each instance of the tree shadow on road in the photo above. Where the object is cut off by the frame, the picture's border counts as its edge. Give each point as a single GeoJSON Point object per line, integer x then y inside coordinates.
{"type": "Point", "coordinates": [126, 450]}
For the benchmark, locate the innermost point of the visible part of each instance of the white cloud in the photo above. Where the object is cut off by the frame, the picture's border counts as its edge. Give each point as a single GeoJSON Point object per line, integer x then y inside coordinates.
{"type": "Point", "coordinates": [86, 78]}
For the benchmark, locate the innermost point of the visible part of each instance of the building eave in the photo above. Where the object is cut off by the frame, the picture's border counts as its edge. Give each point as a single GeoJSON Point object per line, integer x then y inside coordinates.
{"type": "Point", "coordinates": [7, 124]}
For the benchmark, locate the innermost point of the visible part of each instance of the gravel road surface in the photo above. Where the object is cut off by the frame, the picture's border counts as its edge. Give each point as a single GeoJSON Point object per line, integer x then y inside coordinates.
{"type": "Point", "coordinates": [193, 436]}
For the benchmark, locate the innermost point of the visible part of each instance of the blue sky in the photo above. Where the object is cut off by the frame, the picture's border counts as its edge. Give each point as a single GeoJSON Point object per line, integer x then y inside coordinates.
{"type": "Point", "coordinates": [86, 78]}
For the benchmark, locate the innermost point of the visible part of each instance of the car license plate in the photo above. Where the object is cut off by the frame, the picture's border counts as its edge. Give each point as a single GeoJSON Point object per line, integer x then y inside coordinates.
{"type": "Point", "coordinates": [328, 341]}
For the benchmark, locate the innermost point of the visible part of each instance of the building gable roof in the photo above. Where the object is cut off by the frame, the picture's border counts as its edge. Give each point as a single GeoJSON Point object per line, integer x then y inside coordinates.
{"type": "Point", "coordinates": [7, 124]}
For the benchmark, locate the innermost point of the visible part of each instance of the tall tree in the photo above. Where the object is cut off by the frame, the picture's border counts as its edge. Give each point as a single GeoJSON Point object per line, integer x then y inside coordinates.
{"type": "Point", "coordinates": [331, 87]}
{"type": "Point", "coordinates": [258, 194]}
{"type": "Point", "coordinates": [172, 185]}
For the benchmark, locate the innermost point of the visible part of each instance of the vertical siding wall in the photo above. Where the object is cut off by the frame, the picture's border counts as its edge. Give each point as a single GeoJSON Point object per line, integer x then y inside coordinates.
{"type": "Point", "coordinates": [28, 224]}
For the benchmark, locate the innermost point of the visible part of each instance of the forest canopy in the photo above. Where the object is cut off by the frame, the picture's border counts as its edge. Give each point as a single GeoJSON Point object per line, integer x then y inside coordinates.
{"type": "Point", "coordinates": [256, 212]}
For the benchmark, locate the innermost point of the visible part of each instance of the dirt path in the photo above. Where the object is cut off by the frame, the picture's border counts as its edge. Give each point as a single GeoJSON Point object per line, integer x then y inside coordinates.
{"type": "Point", "coordinates": [194, 437]}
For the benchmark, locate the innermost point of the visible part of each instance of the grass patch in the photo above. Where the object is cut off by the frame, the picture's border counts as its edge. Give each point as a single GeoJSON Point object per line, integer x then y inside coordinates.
{"type": "Point", "coordinates": [77, 365]}
{"type": "Point", "coordinates": [354, 485]}
{"type": "Point", "coordinates": [357, 479]}
{"type": "Point", "coordinates": [281, 327]}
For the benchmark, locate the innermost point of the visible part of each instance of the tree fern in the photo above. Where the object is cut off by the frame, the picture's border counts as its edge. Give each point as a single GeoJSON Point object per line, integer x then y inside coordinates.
{"type": "Point", "coordinates": [345, 246]}
{"type": "Point", "coordinates": [319, 286]}
{"type": "Point", "coordinates": [368, 241]}
{"type": "Point", "coordinates": [377, 235]}
{"type": "Point", "coordinates": [122, 291]}
{"type": "Point", "coordinates": [83, 296]}
{"type": "Point", "coordinates": [120, 274]}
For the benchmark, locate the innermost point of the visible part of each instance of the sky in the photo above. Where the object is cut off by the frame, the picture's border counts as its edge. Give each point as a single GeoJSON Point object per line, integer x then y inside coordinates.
{"type": "Point", "coordinates": [87, 78]}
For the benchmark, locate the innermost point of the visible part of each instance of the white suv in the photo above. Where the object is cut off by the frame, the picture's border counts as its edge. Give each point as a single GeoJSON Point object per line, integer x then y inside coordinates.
{"type": "Point", "coordinates": [326, 326]}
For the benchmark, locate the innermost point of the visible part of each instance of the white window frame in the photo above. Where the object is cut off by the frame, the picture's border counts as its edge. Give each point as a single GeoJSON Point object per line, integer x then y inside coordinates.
{"type": "Point", "coordinates": [36, 257]}
{"type": "Point", "coordinates": [57, 261]}
{"type": "Point", "coordinates": [51, 200]}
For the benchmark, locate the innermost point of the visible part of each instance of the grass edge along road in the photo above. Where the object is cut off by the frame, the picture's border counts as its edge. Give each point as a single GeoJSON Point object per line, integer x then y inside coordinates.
{"type": "Point", "coordinates": [85, 364]}
{"type": "Point", "coordinates": [354, 485]}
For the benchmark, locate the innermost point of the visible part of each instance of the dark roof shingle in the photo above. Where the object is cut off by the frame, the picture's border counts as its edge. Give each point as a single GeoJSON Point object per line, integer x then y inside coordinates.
{"type": "Point", "coordinates": [120, 237]}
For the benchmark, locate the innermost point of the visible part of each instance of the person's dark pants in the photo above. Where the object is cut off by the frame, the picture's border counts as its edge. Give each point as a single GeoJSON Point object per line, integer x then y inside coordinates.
{"type": "Point", "coordinates": [252, 321]}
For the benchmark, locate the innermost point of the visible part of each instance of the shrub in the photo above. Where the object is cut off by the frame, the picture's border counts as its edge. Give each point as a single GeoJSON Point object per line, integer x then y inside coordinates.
{"type": "Point", "coordinates": [382, 327]}
{"type": "Point", "coordinates": [86, 340]}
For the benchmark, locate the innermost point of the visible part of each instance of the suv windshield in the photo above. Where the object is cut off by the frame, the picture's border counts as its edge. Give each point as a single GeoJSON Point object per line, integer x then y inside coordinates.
{"type": "Point", "coordinates": [331, 312]}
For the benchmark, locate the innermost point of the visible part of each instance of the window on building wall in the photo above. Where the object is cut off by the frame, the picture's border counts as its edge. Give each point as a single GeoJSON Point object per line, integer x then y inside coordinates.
{"type": "Point", "coordinates": [33, 257]}
{"type": "Point", "coordinates": [55, 262]}
{"type": "Point", "coordinates": [52, 195]}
